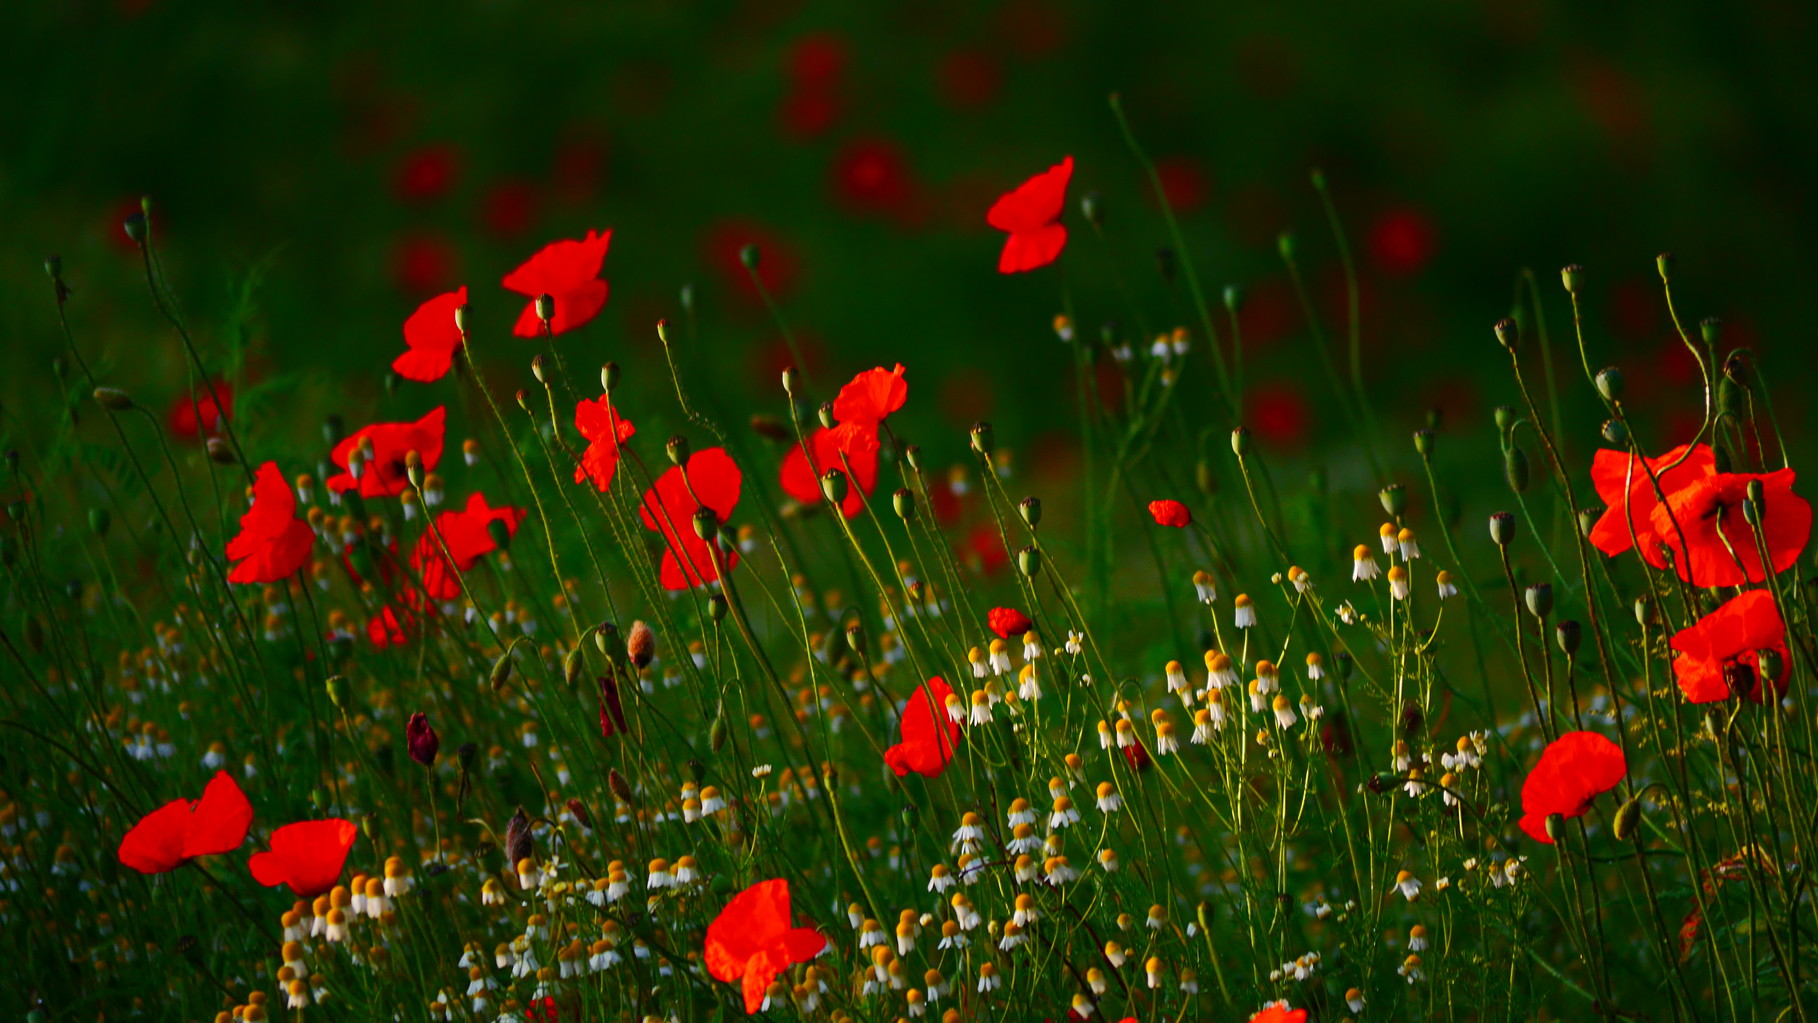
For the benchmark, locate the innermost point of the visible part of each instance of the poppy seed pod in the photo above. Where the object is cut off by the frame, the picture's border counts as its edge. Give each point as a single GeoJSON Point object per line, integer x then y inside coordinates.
{"type": "Point", "coordinates": [792, 378]}
{"type": "Point", "coordinates": [750, 255]}
{"type": "Point", "coordinates": [1394, 498]}
{"type": "Point", "coordinates": [1031, 509]}
{"type": "Point", "coordinates": [1539, 599]}
{"type": "Point", "coordinates": [1569, 635]}
{"type": "Point", "coordinates": [983, 440]}
{"type": "Point", "coordinates": [1609, 383]}
{"type": "Point", "coordinates": [1423, 442]}
{"type": "Point", "coordinates": [1234, 298]}
{"type": "Point", "coordinates": [640, 646]}
{"type": "Point", "coordinates": [1587, 519]}
{"type": "Point", "coordinates": [1502, 528]}
{"type": "Point", "coordinates": [1508, 334]}
{"type": "Point", "coordinates": [855, 637]}
{"type": "Point", "coordinates": [1616, 432]}
{"type": "Point", "coordinates": [1240, 441]}
{"type": "Point", "coordinates": [539, 368]}
{"type": "Point", "coordinates": [135, 227]}
{"type": "Point", "coordinates": [834, 487]}
{"type": "Point", "coordinates": [1092, 207]}
{"type": "Point", "coordinates": [1505, 418]}
{"type": "Point", "coordinates": [1665, 263]}
{"type": "Point", "coordinates": [677, 450]}
{"type": "Point", "coordinates": [904, 503]}
{"type": "Point", "coordinates": [518, 844]}
{"type": "Point", "coordinates": [1711, 330]}
{"type": "Point", "coordinates": [1515, 469]}
{"type": "Point", "coordinates": [913, 455]}
{"type": "Point", "coordinates": [219, 452]}
{"type": "Point", "coordinates": [717, 607]}
{"type": "Point", "coordinates": [825, 415]}
{"type": "Point", "coordinates": [114, 399]}
{"type": "Point", "coordinates": [421, 740]}
{"type": "Point", "coordinates": [706, 523]}
{"type": "Point", "coordinates": [1029, 559]}
{"type": "Point", "coordinates": [1571, 275]}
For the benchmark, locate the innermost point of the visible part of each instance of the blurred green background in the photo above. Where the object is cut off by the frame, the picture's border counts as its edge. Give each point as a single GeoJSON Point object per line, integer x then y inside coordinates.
{"type": "Point", "coordinates": [319, 168]}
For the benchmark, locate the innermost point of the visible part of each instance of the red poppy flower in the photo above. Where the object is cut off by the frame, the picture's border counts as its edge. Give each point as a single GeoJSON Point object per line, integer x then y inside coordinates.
{"type": "Point", "coordinates": [1137, 756]}
{"type": "Point", "coordinates": [273, 543]}
{"type": "Point", "coordinates": [307, 856]}
{"type": "Point", "coordinates": [1574, 769]}
{"type": "Point", "coordinates": [509, 207]}
{"type": "Point", "coordinates": [847, 445]}
{"type": "Point", "coordinates": [567, 271]}
{"type": "Point", "coordinates": [423, 263]}
{"type": "Point", "coordinates": [669, 509]}
{"type": "Point", "coordinates": [387, 629]}
{"type": "Point", "coordinates": [1711, 651]}
{"type": "Point", "coordinates": [383, 475]}
{"type": "Point", "coordinates": [612, 711]}
{"type": "Point", "coordinates": [984, 547]}
{"type": "Point", "coordinates": [1612, 476]}
{"type": "Point", "coordinates": [1403, 241]}
{"type": "Point", "coordinates": [426, 174]}
{"type": "Point", "coordinates": [430, 338]}
{"type": "Point", "coordinates": [871, 396]}
{"type": "Point", "coordinates": [1170, 513]}
{"type": "Point", "coordinates": [1708, 511]}
{"type": "Point", "coordinates": [930, 735]}
{"type": "Point", "coordinates": [180, 830]}
{"type": "Point", "coordinates": [1031, 214]}
{"type": "Point", "coordinates": [195, 414]}
{"type": "Point", "coordinates": [872, 176]}
{"type": "Point", "coordinates": [751, 940]}
{"type": "Point", "coordinates": [468, 536]}
{"type": "Point", "coordinates": [605, 431]}
{"type": "Point", "coordinates": [1280, 1013]}
{"type": "Point", "coordinates": [1008, 622]}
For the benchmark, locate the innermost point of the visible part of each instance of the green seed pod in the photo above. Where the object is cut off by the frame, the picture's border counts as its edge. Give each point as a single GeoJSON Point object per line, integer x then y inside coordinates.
{"type": "Point", "coordinates": [501, 671]}
{"type": "Point", "coordinates": [834, 487]}
{"type": "Point", "coordinates": [677, 450]}
{"type": "Point", "coordinates": [792, 379]}
{"type": "Point", "coordinates": [1505, 418]}
{"type": "Point", "coordinates": [114, 399]}
{"type": "Point", "coordinates": [1502, 528]}
{"type": "Point", "coordinates": [1587, 520]}
{"type": "Point", "coordinates": [1031, 509]}
{"type": "Point", "coordinates": [1515, 469]}
{"type": "Point", "coordinates": [1610, 383]}
{"type": "Point", "coordinates": [750, 256]}
{"type": "Point", "coordinates": [1029, 559]}
{"type": "Point", "coordinates": [1711, 330]}
{"type": "Point", "coordinates": [1284, 244]}
{"type": "Point", "coordinates": [99, 519]}
{"type": "Point", "coordinates": [1556, 829]}
{"type": "Point", "coordinates": [1394, 498]}
{"type": "Point", "coordinates": [904, 503]}
{"type": "Point", "coordinates": [1628, 818]}
{"type": "Point", "coordinates": [1240, 441]}
{"type": "Point", "coordinates": [1539, 599]}
{"type": "Point", "coordinates": [318, 798]}
{"type": "Point", "coordinates": [609, 377]}
{"type": "Point", "coordinates": [572, 665]}
{"type": "Point", "coordinates": [1616, 432]}
{"type": "Point", "coordinates": [545, 308]}
{"type": "Point", "coordinates": [825, 414]}
{"type": "Point", "coordinates": [1569, 634]}
{"type": "Point", "coordinates": [1423, 442]}
{"type": "Point", "coordinates": [1643, 612]}
{"type": "Point", "coordinates": [1754, 491]}
{"type": "Point", "coordinates": [1234, 298]}
{"type": "Point", "coordinates": [983, 440]}
{"type": "Point", "coordinates": [1665, 263]}
{"type": "Point", "coordinates": [717, 607]}
{"type": "Point", "coordinates": [706, 523]}
{"type": "Point", "coordinates": [1508, 334]}
{"type": "Point", "coordinates": [1572, 276]}
{"type": "Point", "coordinates": [716, 734]}
{"type": "Point", "coordinates": [913, 455]}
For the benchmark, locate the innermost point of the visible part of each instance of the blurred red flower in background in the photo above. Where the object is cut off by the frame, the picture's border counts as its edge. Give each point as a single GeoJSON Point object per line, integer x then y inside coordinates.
{"type": "Point", "coordinates": [426, 174]}
{"type": "Point", "coordinates": [1402, 242]}
{"type": "Point", "coordinates": [195, 414]}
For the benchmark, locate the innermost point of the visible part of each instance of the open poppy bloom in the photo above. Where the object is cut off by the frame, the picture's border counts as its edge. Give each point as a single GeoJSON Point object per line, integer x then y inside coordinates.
{"type": "Point", "coordinates": [751, 941]}
{"type": "Point", "coordinates": [1721, 650]}
{"type": "Point", "coordinates": [1612, 475]}
{"type": "Point", "coordinates": [430, 338]}
{"type": "Point", "coordinates": [1280, 1013]}
{"type": "Point", "coordinates": [383, 475]}
{"type": "Point", "coordinates": [871, 396]}
{"type": "Point", "coordinates": [468, 536]}
{"type": "Point", "coordinates": [930, 735]}
{"type": "Point", "coordinates": [273, 543]}
{"type": "Point", "coordinates": [307, 856]}
{"type": "Point", "coordinates": [1170, 513]}
{"type": "Point", "coordinates": [1008, 622]}
{"type": "Point", "coordinates": [1718, 546]}
{"type": "Point", "coordinates": [567, 271]}
{"type": "Point", "coordinates": [605, 431]}
{"type": "Point", "coordinates": [669, 508]}
{"type": "Point", "coordinates": [196, 415]}
{"type": "Point", "coordinates": [1031, 214]}
{"type": "Point", "coordinates": [848, 449]}
{"type": "Point", "coordinates": [180, 830]}
{"type": "Point", "coordinates": [1574, 769]}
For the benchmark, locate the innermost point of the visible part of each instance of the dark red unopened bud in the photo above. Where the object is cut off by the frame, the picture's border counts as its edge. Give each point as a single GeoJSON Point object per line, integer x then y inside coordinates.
{"type": "Point", "coordinates": [579, 809]}
{"type": "Point", "coordinates": [421, 740]}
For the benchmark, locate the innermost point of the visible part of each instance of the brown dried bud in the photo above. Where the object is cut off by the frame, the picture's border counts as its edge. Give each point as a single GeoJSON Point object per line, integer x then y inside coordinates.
{"type": "Point", "coordinates": [518, 846]}
{"type": "Point", "coordinates": [640, 646]}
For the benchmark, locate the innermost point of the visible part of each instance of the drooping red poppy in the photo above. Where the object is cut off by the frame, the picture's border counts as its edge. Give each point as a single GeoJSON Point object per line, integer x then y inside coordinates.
{"type": "Point", "coordinates": [1718, 547]}
{"type": "Point", "coordinates": [195, 415]}
{"type": "Point", "coordinates": [1170, 513]}
{"type": "Point", "coordinates": [383, 475]}
{"type": "Point", "coordinates": [273, 543]}
{"type": "Point", "coordinates": [605, 431]}
{"type": "Point", "coordinates": [307, 856]}
{"type": "Point", "coordinates": [1008, 622]}
{"type": "Point", "coordinates": [468, 536]}
{"type": "Point", "coordinates": [1030, 213]}
{"type": "Point", "coordinates": [1574, 769]}
{"type": "Point", "coordinates": [1612, 476]}
{"type": "Point", "coordinates": [847, 445]}
{"type": "Point", "coordinates": [567, 271]}
{"type": "Point", "coordinates": [930, 735]}
{"type": "Point", "coordinates": [669, 508]}
{"type": "Point", "coordinates": [1722, 647]}
{"type": "Point", "coordinates": [612, 711]}
{"type": "Point", "coordinates": [180, 830]}
{"type": "Point", "coordinates": [871, 397]}
{"type": "Point", "coordinates": [751, 941]}
{"type": "Point", "coordinates": [430, 338]}
{"type": "Point", "coordinates": [1280, 1013]}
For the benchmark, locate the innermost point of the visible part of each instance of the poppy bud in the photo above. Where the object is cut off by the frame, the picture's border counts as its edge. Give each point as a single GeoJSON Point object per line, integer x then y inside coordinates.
{"type": "Point", "coordinates": [1569, 634]}
{"type": "Point", "coordinates": [716, 733]}
{"type": "Point", "coordinates": [1423, 442]}
{"type": "Point", "coordinates": [1502, 528]}
{"type": "Point", "coordinates": [579, 810]}
{"type": "Point", "coordinates": [1284, 244]}
{"type": "Point", "coordinates": [1505, 418]}
{"type": "Point", "coordinates": [1031, 509]}
{"type": "Point", "coordinates": [501, 670]}
{"type": "Point", "coordinates": [1165, 264]}
{"type": "Point", "coordinates": [460, 319]}
{"type": "Point", "coordinates": [1556, 828]}
{"type": "Point", "coordinates": [1711, 329]}
{"type": "Point", "coordinates": [606, 637]}
{"type": "Point", "coordinates": [620, 787]}
{"type": "Point", "coordinates": [114, 399]}
{"type": "Point", "coordinates": [1609, 383]}
{"type": "Point", "coordinates": [1029, 559]}
{"type": "Point", "coordinates": [792, 377]}
{"type": "Point", "coordinates": [983, 441]}
{"type": "Point", "coordinates": [572, 665]}
{"type": "Point", "coordinates": [1587, 520]}
{"type": "Point", "coordinates": [99, 519]}
{"type": "Point", "coordinates": [1739, 371]}
{"type": "Point", "coordinates": [336, 686]}
{"type": "Point", "coordinates": [523, 399]}
{"type": "Point", "coordinates": [1751, 510]}
{"type": "Point", "coordinates": [1665, 262]}
{"type": "Point", "coordinates": [1643, 612]}
{"type": "Point", "coordinates": [1394, 499]}
{"type": "Point", "coordinates": [219, 452]}
{"type": "Point", "coordinates": [1616, 432]}
{"type": "Point", "coordinates": [640, 646]}
{"type": "Point", "coordinates": [834, 487]}
{"type": "Point", "coordinates": [318, 798]}
{"type": "Point", "coordinates": [518, 844]}
{"type": "Point", "coordinates": [1628, 817]}
{"type": "Point", "coordinates": [1091, 206]}
{"type": "Point", "coordinates": [1234, 298]}
{"type": "Point", "coordinates": [677, 450]}
{"type": "Point", "coordinates": [855, 637]}
{"type": "Point", "coordinates": [1507, 333]}
{"type": "Point", "coordinates": [750, 256]}
{"type": "Point", "coordinates": [135, 227]}
{"type": "Point", "coordinates": [717, 607]}
{"type": "Point", "coordinates": [1240, 441]}
{"type": "Point", "coordinates": [913, 455]}
{"type": "Point", "coordinates": [904, 503]}
{"type": "Point", "coordinates": [421, 740]}
{"type": "Point", "coordinates": [53, 265]}
{"type": "Point", "coordinates": [1768, 664]}
{"type": "Point", "coordinates": [413, 469]}
{"type": "Point", "coordinates": [825, 415]}
{"type": "Point", "coordinates": [1539, 599]}
{"type": "Point", "coordinates": [539, 368]}
{"type": "Point", "coordinates": [1571, 275]}
{"type": "Point", "coordinates": [1515, 469]}
{"type": "Point", "coordinates": [706, 523]}
{"type": "Point", "coordinates": [545, 308]}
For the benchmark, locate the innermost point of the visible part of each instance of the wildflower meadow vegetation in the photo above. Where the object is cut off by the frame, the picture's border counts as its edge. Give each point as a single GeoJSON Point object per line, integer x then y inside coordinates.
{"type": "Point", "coordinates": [561, 697]}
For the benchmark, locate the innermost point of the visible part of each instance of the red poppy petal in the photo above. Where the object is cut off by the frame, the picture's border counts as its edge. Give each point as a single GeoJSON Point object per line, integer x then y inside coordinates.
{"type": "Point", "coordinates": [155, 844]}
{"type": "Point", "coordinates": [1035, 202]}
{"type": "Point", "coordinates": [1032, 249]}
{"type": "Point", "coordinates": [430, 337]}
{"type": "Point", "coordinates": [220, 819]}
